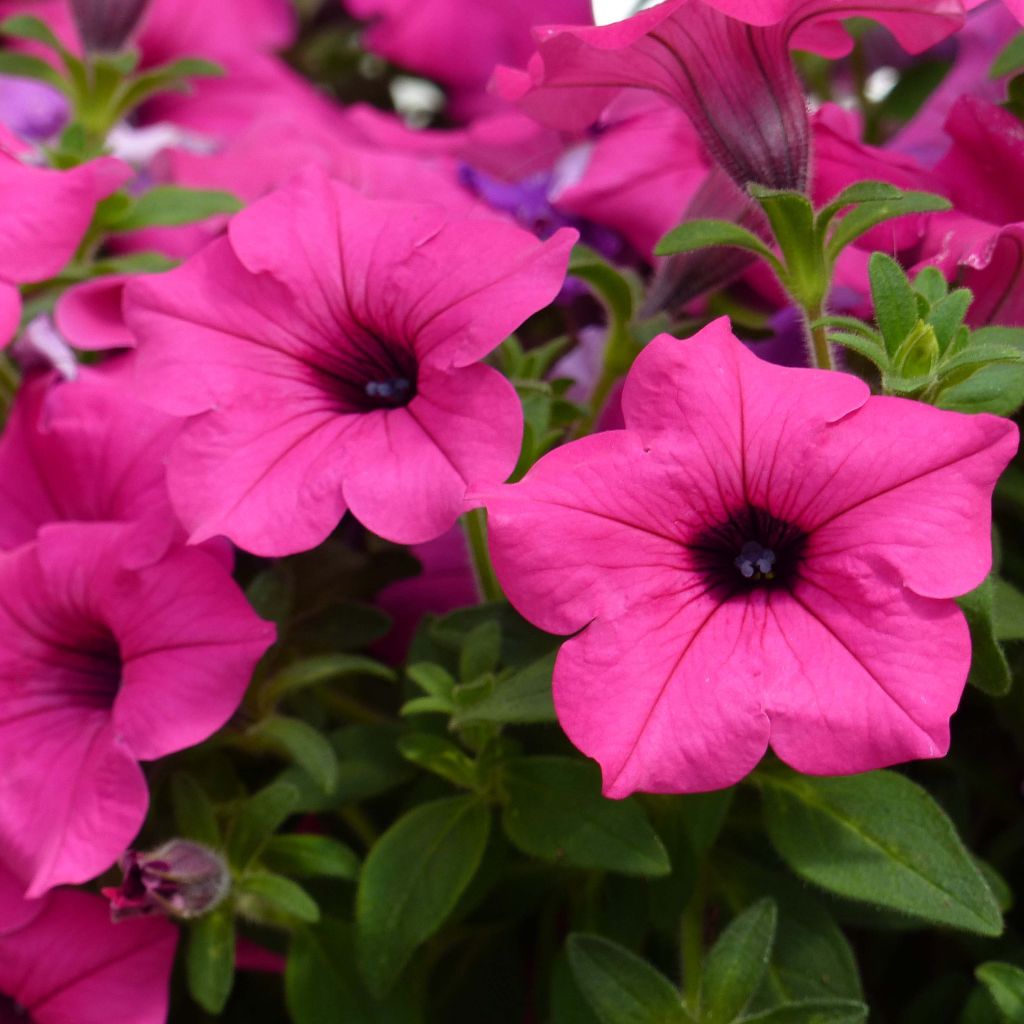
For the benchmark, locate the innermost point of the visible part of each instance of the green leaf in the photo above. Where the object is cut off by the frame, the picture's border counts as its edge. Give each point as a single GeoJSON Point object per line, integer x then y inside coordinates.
{"type": "Point", "coordinates": [737, 963]}
{"type": "Point", "coordinates": [273, 899]}
{"type": "Point", "coordinates": [947, 314]}
{"type": "Point", "coordinates": [555, 810]}
{"type": "Point", "coordinates": [432, 679]}
{"type": "Point", "coordinates": [870, 349]}
{"type": "Point", "coordinates": [930, 285]}
{"type": "Point", "coordinates": [620, 987]}
{"type": "Point", "coordinates": [132, 263]}
{"type": "Point", "coordinates": [210, 962]}
{"type": "Point", "coordinates": [193, 811]}
{"type": "Point", "coordinates": [312, 671]}
{"type": "Point", "coordinates": [481, 651]}
{"type": "Point", "coordinates": [814, 1011]}
{"type": "Point", "coordinates": [322, 983]}
{"type": "Point", "coordinates": [693, 235]}
{"type": "Point", "coordinates": [990, 671]}
{"type": "Point", "coordinates": [611, 286]}
{"type": "Point", "coordinates": [1010, 59]}
{"type": "Point", "coordinates": [1005, 984]}
{"type": "Point", "coordinates": [996, 388]}
{"type": "Point", "coordinates": [25, 26]}
{"type": "Point", "coordinates": [440, 756]}
{"type": "Point", "coordinates": [881, 839]}
{"type": "Point", "coordinates": [412, 879]}
{"type": "Point", "coordinates": [893, 298]}
{"type": "Point", "coordinates": [171, 205]}
{"type": "Point", "coordinates": [167, 78]}
{"type": "Point", "coordinates": [24, 65]}
{"type": "Point", "coordinates": [862, 219]}
{"type": "Point", "coordinates": [793, 224]}
{"type": "Point", "coordinates": [259, 816]}
{"type": "Point", "coordinates": [1007, 610]}
{"type": "Point", "coordinates": [853, 195]}
{"type": "Point", "coordinates": [368, 764]}
{"type": "Point", "coordinates": [310, 856]}
{"type": "Point", "coordinates": [300, 742]}
{"type": "Point", "coordinates": [523, 697]}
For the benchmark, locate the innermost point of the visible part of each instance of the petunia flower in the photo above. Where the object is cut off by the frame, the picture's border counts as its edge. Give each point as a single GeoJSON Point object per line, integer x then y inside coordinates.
{"type": "Point", "coordinates": [328, 352]}
{"type": "Point", "coordinates": [725, 62]}
{"type": "Point", "coordinates": [63, 960]}
{"type": "Point", "coordinates": [101, 666]}
{"type": "Point", "coordinates": [764, 556]}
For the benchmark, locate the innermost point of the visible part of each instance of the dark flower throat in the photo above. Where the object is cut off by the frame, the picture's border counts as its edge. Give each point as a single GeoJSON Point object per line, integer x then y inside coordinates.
{"type": "Point", "coordinates": [751, 550]}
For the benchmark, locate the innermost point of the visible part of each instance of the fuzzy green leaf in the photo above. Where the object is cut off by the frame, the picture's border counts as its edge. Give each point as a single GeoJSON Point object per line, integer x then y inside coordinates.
{"type": "Point", "coordinates": [862, 219]}
{"type": "Point", "coordinates": [693, 235]}
{"type": "Point", "coordinates": [412, 880]}
{"type": "Point", "coordinates": [881, 839]}
{"type": "Point", "coordinates": [1005, 984]}
{"type": "Point", "coordinates": [621, 987]}
{"type": "Point", "coordinates": [555, 810]}
{"type": "Point", "coordinates": [737, 963]}
{"type": "Point", "coordinates": [310, 856]}
{"type": "Point", "coordinates": [210, 960]}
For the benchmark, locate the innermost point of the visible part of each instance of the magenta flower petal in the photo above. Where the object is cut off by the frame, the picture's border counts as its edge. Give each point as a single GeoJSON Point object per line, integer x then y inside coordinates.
{"type": "Point", "coordinates": [763, 555]}
{"type": "Point", "coordinates": [90, 315]}
{"type": "Point", "coordinates": [464, 425]}
{"type": "Point", "coordinates": [70, 963]}
{"type": "Point", "coordinates": [245, 470]}
{"type": "Point", "coordinates": [44, 213]}
{"type": "Point", "coordinates": [327, 326]}
{"type": "Point", "coordinates": [10, 311]}
{"type": "Point", "coordinates": [102, 665]}
{"type": "Point", "coordinates": [665, 698]}
{"type": "Point", "coordinates": [84, 450]}
{"type": "Point", "coordinates": [886, 674]}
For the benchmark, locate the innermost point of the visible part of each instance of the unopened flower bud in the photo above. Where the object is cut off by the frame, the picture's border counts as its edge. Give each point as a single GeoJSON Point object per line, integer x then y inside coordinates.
{"type": "Point", "coordinates": [105, 25]}
{"type": "Point", "coordinates": [919, 352]}
{"type": "Point", "coordinates": [180, 879]}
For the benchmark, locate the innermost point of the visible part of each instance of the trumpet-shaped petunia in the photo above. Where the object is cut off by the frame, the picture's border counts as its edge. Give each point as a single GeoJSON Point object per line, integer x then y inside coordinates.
{"type": "Point", "coordinates": [101, 666]}
{"type": "Point", "coordinates": [63, 960]}
{"type": "Point", "coordinates": [725, 62]}
{"type": "Point", "coordinates": [327, 351]}
{"type": "Point", "coordinates": [763, 556]}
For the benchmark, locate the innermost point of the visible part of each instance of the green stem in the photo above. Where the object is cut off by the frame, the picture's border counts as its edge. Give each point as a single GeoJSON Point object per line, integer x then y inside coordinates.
{"type": "Point", "coordinates": [692, 944]}
{"type": "Point", "coordinates": [820, 348]}
{"type": "Point", "coordinates": [474, 523]}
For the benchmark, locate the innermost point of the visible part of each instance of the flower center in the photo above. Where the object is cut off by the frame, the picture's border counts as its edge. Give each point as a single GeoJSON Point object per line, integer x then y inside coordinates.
{"type": "Point", "coordinates": [752, 549]}
{"type": "Point", "coordinates": [11, 1012]}
{"type": "Point", "coordinates": [394, 392]}
{"type": "Point", "coordinates": [370, 372]}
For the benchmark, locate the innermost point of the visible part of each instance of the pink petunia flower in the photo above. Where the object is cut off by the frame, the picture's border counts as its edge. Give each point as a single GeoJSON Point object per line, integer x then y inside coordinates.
{"type": "Point", "coordinates": [102, 666]}
{"type": "Point", "coordinates": [327, 350]}
{"type": "Point", "coordinates": [63, 960]}
{"type": "Point", "coordinates": [725, 62]}
{"type": "Point", "coordinates": [763, 556]}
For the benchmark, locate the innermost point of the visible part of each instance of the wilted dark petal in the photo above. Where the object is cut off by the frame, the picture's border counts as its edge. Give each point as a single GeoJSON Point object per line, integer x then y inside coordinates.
{"type": "Point", "coordinates": [678, 279]}
{"type": "Point", "coordinates": [740, 89]}
{"type": "Point", "coordinates": [105, 25]}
